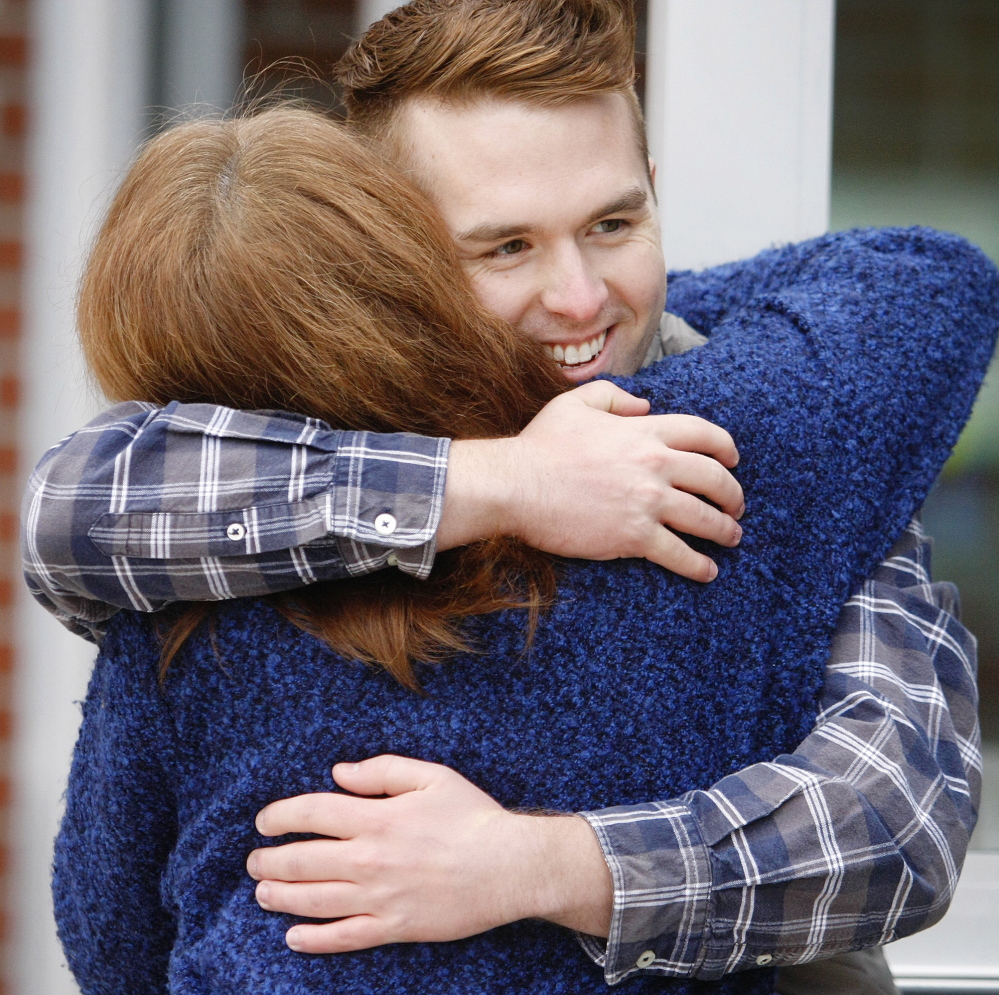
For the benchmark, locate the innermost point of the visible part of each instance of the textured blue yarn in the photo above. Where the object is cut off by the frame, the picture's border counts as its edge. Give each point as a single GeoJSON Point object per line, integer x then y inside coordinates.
{"type": "Point", "coordinates": [844, 368]}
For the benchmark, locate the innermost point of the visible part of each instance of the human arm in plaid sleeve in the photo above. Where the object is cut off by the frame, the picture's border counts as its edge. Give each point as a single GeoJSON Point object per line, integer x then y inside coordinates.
{"type": "Point", "coordinates": [854, 840]}
{"type": "Point", "coordinates": [146, 506]}
{"type": "Point", "coordinates": [149, 506]}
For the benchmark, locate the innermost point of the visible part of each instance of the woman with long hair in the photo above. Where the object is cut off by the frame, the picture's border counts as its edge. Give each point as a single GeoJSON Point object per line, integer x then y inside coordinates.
{"type": "Point", "coordinates": [276, 262]}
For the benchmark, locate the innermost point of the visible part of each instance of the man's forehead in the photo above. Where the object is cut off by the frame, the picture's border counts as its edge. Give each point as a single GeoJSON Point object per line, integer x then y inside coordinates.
{"type": "Point", "coordinates": [425, 124]}
{"type": "Point", "coordinates": [483, 159]}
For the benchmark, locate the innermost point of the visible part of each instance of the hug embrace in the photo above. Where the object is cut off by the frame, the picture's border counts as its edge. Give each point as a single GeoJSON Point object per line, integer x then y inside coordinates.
{"type": "Point", "coordinates": [607, 699]}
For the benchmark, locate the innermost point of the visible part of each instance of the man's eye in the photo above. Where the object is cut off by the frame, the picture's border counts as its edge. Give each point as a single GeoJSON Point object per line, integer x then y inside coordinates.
{"type": "Point", "coordinates": [608, 227]}
{"type": "Point", "coordinates": [511, 248]}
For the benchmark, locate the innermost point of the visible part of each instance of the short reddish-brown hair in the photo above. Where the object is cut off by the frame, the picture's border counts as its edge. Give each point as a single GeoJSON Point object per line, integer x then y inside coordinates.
{"type": "Point", "coordinates": [542, 52]}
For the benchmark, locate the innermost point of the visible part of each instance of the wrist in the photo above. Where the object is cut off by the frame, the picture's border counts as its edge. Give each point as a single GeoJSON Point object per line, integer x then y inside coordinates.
{"type": "Point", "coordinates": [569, 883]}
{"type": "Point", "coordinates": [479, 493]}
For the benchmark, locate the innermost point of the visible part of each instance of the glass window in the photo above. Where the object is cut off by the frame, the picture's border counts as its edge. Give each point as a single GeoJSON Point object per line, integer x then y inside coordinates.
{"type": "Point", "coordinates": [283, 37]}
{"type": "Point", "coordinates": [916, 141]}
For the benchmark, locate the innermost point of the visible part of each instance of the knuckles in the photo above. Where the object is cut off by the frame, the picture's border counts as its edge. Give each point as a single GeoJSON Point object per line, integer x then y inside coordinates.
{"type": "Point", "coordinates": [318, 903]}
{"type": "Point", "coordinates": [371, 862]}
{"type": "Point", "coordinates": [293, 862]}
{"type": "Point", "coordinates": [720, 476]}
{"type": "Point", "coordinates": [297, 866]}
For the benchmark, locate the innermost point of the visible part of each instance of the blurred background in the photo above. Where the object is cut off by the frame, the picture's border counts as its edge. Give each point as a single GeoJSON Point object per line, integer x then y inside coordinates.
{"type": "Point", "coordinates": [916, 141]}
{"type": "Point", "coordinates": [869, 112]}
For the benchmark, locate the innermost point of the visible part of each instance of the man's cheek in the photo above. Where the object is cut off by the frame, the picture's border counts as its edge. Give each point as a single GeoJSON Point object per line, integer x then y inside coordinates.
{"type": "Point", "coordinates": [650, 295]}
{"type": "Point", "coordinates": [502, 294]}
{"type": "Point", "coordinates": [642, 287]}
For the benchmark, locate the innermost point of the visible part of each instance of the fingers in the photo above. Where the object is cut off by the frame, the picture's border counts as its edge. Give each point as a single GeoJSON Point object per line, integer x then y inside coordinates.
{"type": "Point", "coordinates": [696, 435]}
{"type": "Point", "coordinates": [342, 816]}
{"type": "Point", "coordinates": [692, 516]}
{"type": "Point", "coordinates": [699, 474]}
{"type": "Point", "coordinates": [355, 933]}
{"type": "Point", "coordinates": [671, 552]}
{"type": "Point", "coordinates": [609, 397]}
{"type": "Point", "coordinates": [314, 900]}
{"type": "Point", "coordinates": [323, 813]}
{"type": "Point", "coordinates": [387, 775]}
{"type": "Point", "coordinates": [308, 860]}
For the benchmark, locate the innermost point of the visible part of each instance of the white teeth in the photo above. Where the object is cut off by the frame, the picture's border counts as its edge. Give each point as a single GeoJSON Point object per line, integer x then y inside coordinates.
{"type": "Point", "coordinates": [572, 355]}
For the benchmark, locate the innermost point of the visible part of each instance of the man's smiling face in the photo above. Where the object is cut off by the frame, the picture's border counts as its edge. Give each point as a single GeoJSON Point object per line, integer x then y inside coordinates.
{"type": "Point", "coordinates": [554, 218]}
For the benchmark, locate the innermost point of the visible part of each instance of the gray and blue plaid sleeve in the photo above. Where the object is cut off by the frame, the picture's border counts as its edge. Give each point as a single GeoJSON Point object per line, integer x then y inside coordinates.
{"type": "Point", "coordinates": [855, 839]}
{"type": "Point", "coordinates": [192, 502]}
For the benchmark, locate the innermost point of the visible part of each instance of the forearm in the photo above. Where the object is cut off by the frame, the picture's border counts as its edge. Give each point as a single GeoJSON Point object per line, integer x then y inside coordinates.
{"type": "Point", "coordinates": [852, 841]}
{"type": "Point", "coordinates": [147, 506]}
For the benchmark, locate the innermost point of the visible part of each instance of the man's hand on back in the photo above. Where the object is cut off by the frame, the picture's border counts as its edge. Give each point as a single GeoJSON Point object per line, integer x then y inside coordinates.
{"type": "Point", "coordinates": [436, 860]}
{"type": "Point", "coordinates": [589, 477]}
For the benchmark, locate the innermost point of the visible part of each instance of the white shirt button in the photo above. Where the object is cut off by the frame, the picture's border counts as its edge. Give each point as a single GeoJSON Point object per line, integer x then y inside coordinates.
{"type": "Point", "coordinates": [392, 560]}
{"type": "Point", "coordinates": [385, 524]}
{"type": "Point", "coordinates": [647, 959]}
{"type": "Point", "coordinates": [235, 532]}
{"type": "Point", "coordinates": [763, 960]}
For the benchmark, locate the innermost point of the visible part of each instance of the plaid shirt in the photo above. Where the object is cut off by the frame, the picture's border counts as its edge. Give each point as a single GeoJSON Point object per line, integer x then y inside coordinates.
{"type": "Point", "coordinates": [146, 506]}
{"type": "Point", "coordinates": [855, 839]}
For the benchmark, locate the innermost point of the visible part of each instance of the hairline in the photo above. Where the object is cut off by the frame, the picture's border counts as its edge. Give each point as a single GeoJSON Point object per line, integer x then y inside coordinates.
{"type": "Point", "coordinates": [382, 127]}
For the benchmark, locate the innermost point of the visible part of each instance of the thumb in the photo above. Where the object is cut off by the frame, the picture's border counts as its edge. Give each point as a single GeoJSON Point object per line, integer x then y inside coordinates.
{"type": "Point", "coordinates": [386, 775]}
{"type": "Point", "coordinates": [610, 398]}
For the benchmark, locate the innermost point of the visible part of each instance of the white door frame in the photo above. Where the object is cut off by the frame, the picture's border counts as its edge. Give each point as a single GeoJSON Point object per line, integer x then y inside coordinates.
{"type": "Point", "coordinates": [739, 107]}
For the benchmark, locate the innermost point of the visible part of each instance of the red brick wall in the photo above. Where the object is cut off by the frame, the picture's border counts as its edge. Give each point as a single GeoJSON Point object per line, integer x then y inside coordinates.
{"type": "Point", "coordinates": [13, 60]}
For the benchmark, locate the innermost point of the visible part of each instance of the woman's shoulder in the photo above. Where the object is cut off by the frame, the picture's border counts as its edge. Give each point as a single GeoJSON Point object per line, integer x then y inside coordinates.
{"type": "Point", "coordinates": [135, 641]}
{"type": "Point", "coordinates": [248, 628]}
{"type": "Point", "coordinates": [132, 638]}
{"type": "Point", "coordinates": [240, 651]}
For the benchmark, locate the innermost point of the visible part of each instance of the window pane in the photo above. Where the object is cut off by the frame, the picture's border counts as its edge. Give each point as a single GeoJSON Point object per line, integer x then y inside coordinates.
{"type": "Point", "coordinates": [916, 141]}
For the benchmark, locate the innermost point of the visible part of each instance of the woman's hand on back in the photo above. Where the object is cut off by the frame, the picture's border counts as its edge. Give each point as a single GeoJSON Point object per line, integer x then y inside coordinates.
{"type": "Point", "coordinates": [594, 476]}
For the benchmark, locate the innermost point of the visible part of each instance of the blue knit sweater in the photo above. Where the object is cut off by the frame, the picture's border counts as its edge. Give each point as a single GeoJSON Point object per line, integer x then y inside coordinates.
{"type": "Point", "coordinates": [844, 368]}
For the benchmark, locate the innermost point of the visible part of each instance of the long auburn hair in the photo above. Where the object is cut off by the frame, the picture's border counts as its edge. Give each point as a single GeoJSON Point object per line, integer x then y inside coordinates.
{"type": "Point", "coordinates": [276, 261]}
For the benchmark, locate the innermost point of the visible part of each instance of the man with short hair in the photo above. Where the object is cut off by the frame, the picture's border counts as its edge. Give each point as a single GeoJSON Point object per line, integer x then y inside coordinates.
{"type": "Point", "coordinates": [519, 120]}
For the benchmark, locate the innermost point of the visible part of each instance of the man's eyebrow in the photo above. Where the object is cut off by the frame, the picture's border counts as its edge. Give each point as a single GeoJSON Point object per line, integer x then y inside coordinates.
{"type": "Point", "coordinates": [634, 200]}
{"type": "Point", "coordinates": [627, 203]}
{"type": "Point", "coordinates": [495, 233]}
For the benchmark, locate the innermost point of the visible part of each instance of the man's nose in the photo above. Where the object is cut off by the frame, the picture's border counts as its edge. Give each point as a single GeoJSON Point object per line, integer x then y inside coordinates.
{"type": "Point", "coordinates": [571, 288]}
